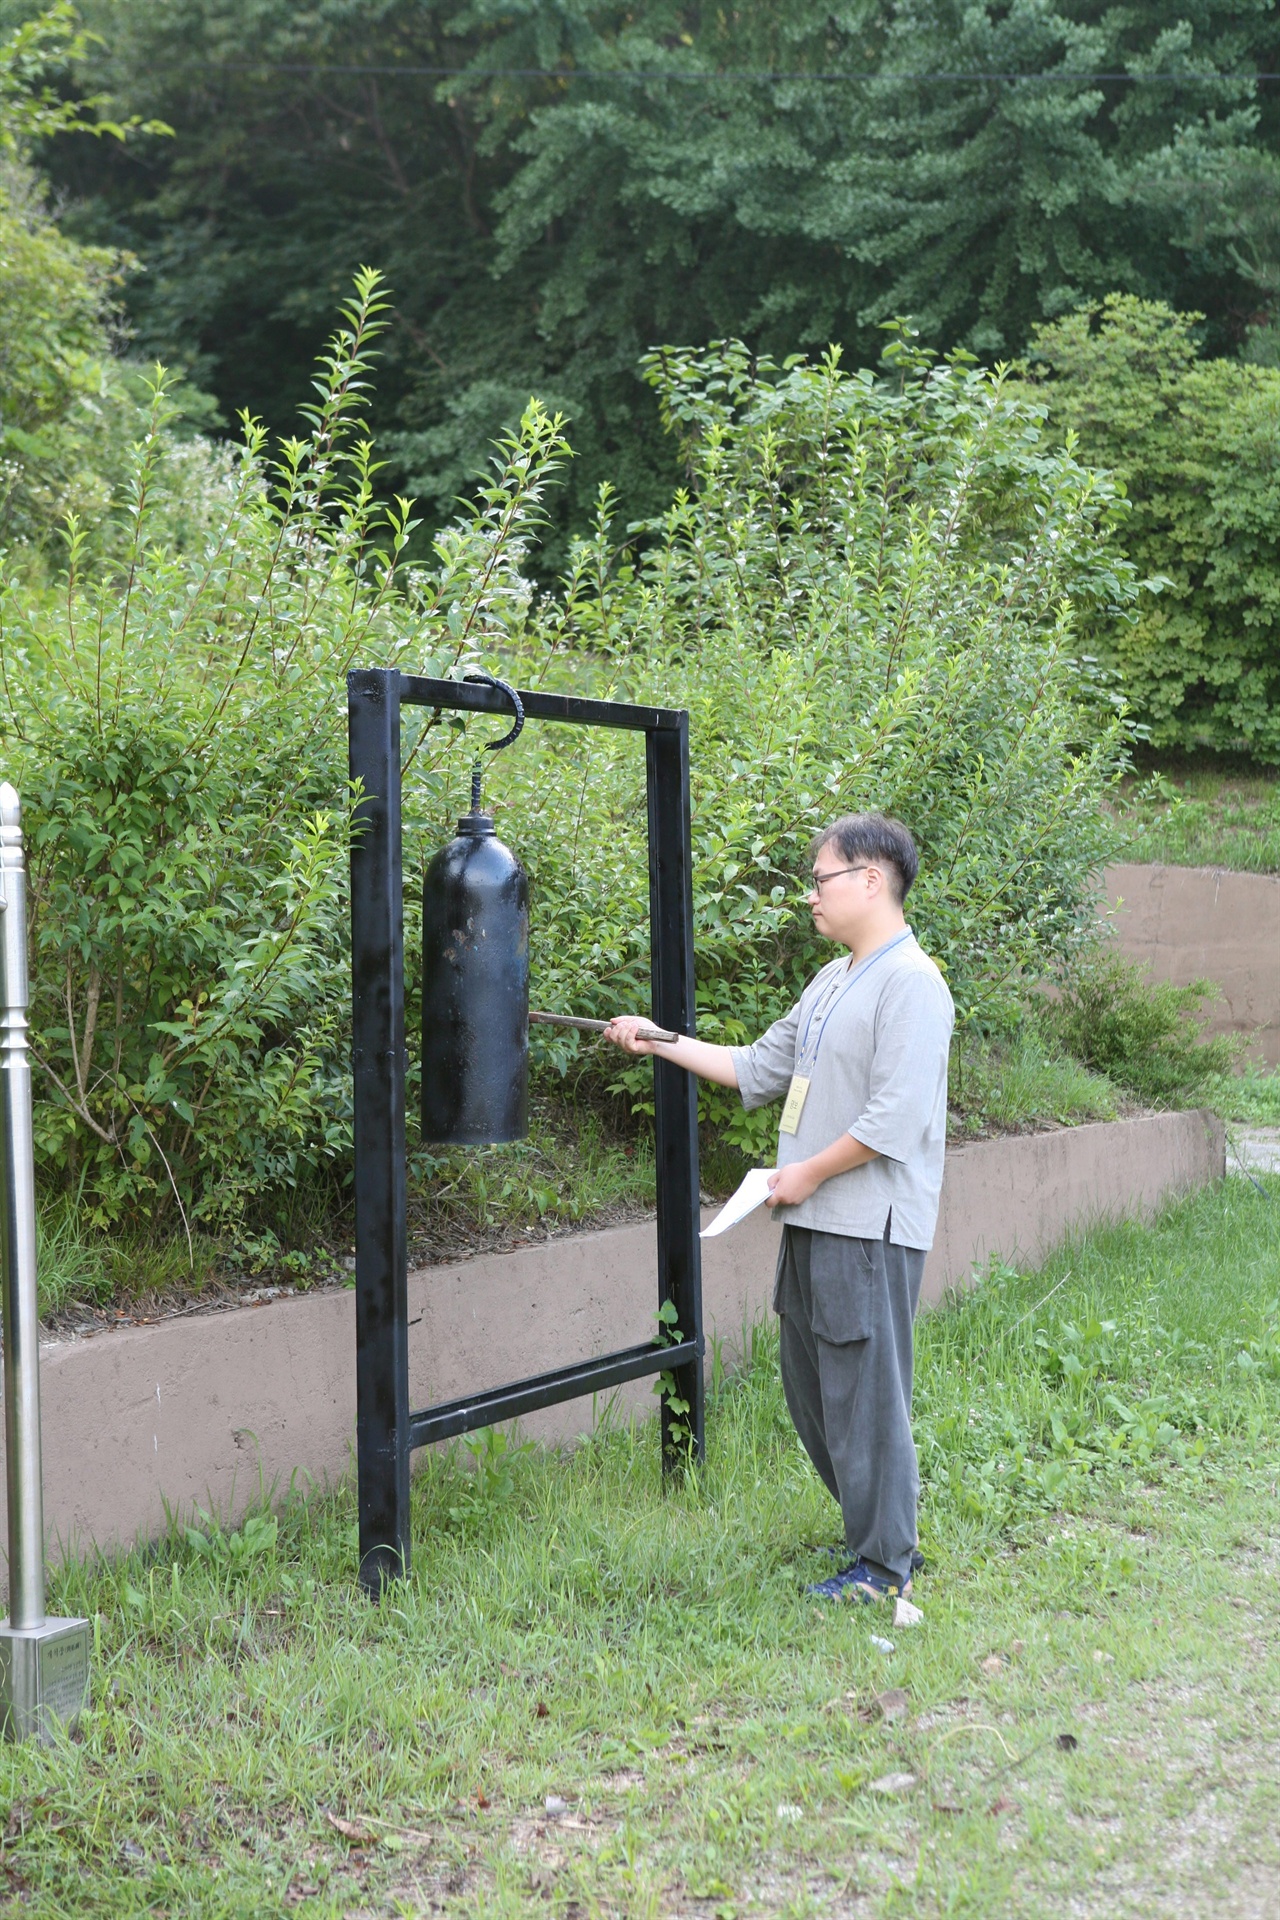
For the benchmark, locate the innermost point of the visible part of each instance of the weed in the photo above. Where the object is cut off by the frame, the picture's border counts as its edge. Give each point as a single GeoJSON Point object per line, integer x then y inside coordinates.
{"type": "Point", "coordinates": [233, 1553]}
{"type": "Point", "coordinates": [490, 1486]}
{"type": "Point", "coordinates": [493, 1455]}
{"type": "Point", "coordinates": [1144, 1034]}
{"type": "Point", "coordinates": [1252, 1096]}
{"type": "Point", "coordinates": [666, 1386]}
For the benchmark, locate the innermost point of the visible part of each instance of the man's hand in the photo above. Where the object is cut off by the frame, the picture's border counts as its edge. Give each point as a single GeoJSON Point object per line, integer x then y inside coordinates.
{"type": "Point", "coordinates": [623, 1030]}
{"type": "Point", "coordinates": [708, 1061]}
{"type": "Point", "coordinates": [790, 1185]}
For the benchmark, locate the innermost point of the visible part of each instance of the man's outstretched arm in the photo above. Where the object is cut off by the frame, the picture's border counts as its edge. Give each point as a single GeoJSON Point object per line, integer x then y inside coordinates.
{"type": "Point", "coordinates": [709, 1062]}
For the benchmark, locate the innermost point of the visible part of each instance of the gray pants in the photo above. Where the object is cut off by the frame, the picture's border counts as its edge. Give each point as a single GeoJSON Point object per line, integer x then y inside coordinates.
{"type": "Point", "coordinates": [846, 1309]}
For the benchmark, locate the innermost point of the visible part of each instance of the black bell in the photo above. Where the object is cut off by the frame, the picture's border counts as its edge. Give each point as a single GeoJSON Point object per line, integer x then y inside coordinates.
{"type": "Point", "coordinates": [475, 989]}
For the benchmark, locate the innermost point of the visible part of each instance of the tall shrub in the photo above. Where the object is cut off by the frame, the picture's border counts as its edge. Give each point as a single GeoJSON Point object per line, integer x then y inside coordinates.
{"type": "Point", "coordinates": [1196, 444]}
{"type": "Point", "coordinates": [174, 722]}
{"type": "Point", "coordinates": [867, 594]}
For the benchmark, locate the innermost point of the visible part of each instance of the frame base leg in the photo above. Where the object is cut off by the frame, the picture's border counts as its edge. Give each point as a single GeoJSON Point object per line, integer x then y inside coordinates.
{"type": "Point", "coordinates": [381, 1568]}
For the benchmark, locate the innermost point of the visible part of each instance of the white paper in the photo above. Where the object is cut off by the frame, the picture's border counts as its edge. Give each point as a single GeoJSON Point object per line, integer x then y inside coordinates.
{"type": "Point", "coordinates": [753, 1193]}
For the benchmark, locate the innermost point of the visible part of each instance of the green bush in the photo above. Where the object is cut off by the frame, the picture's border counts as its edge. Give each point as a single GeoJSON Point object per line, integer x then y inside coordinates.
{"type": "Point", "coordinates": [1144, 1034]}
{"type": "Point", "coordinates": [174, 723]}
{"type": "Point", "coordinates": [866, 595]}
{"type": "Point", "coordinates": [1197, 446]}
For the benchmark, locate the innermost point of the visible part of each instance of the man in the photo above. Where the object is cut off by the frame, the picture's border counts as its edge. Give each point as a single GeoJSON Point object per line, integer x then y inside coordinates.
{"type": "Point", "coordinates": [861, 1063]}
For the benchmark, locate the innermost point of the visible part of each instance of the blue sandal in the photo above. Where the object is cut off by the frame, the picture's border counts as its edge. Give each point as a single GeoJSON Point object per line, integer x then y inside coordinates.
{"type": "Point", "coordinates": [856, 1582]}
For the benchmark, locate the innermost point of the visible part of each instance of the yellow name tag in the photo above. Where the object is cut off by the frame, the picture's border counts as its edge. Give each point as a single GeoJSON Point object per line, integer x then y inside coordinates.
{"type": "Point", "coordinates": [794, 1107]}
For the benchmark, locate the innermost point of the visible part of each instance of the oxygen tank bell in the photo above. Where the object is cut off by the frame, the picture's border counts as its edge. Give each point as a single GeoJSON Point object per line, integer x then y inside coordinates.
{"type": "Point", "coordinates": [475, 979]}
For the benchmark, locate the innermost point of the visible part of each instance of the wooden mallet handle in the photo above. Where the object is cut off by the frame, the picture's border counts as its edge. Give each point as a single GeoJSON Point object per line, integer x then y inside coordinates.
{"type": "Point", "coordinates": [594, 1026]}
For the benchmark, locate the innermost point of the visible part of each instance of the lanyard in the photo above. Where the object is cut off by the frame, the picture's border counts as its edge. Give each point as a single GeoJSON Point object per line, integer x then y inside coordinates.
{"type": "Point", "coordinates": [836, 994]}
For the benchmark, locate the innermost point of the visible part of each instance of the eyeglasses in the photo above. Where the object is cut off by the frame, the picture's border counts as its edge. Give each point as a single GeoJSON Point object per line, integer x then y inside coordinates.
{"type": "Point", "coordinates": [820, 879]}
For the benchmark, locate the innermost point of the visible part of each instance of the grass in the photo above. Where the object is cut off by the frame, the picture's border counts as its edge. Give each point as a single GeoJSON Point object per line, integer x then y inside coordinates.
{"type": "Point", "coordinates": [1025, 1082]}
{"type": "Point", "coordinates": [77, 1266]}
{"type": "Point", "coordinates": [1087, 1716]}
{"type": "Point", "coordinates": [1206, 812]}
{"type": "Point", "coordinates": [1251, 1096]}
{"type": "Point", "coordinates": [572, 1167]}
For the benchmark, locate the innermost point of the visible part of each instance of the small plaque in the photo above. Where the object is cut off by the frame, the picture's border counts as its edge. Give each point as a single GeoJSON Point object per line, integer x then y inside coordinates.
{"type": "Point", "coordinates": [64, 1673]}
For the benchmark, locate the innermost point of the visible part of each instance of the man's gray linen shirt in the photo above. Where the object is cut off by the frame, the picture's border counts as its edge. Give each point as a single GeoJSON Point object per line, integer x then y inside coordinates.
{"type": "Point", "coordinates": [874, 1038]}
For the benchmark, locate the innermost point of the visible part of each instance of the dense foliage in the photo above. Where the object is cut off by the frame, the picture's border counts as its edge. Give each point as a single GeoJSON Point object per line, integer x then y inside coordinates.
{"type": "Point", "coordinates": [173, 724]}
{"type": "Point", "coordinates": [591, 179]}
{"type": "Point", "coordinates": [866, 594]}
{"type": "Point", "coordinates": [56, 371]}
{"type": "Point", "coordinates": [55, 364]}
{"type": "Point", "coordinates": [866, 597]}
{"type": "Point", "coordinates": [1197, 445]}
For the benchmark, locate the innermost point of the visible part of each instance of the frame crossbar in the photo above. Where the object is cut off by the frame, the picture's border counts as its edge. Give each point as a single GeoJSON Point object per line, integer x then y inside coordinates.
{"type": "Point", "coordinates": [387, 1431]}
{"type": "Point", "coordinates": [546, 1390]}
{"type": "Point", "coordinates": [472, 697]}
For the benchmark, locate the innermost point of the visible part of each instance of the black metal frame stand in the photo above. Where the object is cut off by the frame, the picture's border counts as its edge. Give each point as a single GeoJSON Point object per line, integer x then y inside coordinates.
{"type": "Point", "coordinates": [386, 1430]}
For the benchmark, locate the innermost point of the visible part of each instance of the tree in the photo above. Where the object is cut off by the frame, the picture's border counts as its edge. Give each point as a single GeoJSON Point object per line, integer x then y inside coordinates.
{"type": "Point", "coordinates": [1197, 444]}
{"type": "Point", "coordinates": [281, 181]}
{"type": "Point", "coordinates": [55, 306]}
{"type": "Point", "coordinates": [1226, 202]}
{"type": "Point", "coordinates": [603, 177]}
{"type": "Point", "coordinates": [68, 404]}
{"type": "Point", "coordinates": [55, 301]}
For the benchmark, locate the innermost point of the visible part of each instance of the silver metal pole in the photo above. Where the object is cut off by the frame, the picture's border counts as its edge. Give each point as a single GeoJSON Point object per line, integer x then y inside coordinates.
{"type": "Point", "coordinates": [18, 1232]}
{"type": "Point", "coordinates": [44, 1664]}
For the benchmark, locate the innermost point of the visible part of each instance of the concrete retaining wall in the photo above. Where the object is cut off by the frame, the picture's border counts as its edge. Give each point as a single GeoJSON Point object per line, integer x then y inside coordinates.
{"type": "Point", "coordinates": [207, 1409]}
{"type": "Point", "coordinates": [1195, 923]}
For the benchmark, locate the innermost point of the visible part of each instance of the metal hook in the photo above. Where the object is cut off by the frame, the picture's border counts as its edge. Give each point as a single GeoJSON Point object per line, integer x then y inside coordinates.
{"type": "Point", "coordinates": [487, 679]}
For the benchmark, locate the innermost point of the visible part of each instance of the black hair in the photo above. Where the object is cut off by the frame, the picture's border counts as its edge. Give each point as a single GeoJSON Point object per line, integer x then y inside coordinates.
{"type": "Point", "coordinates": [874, 837]}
